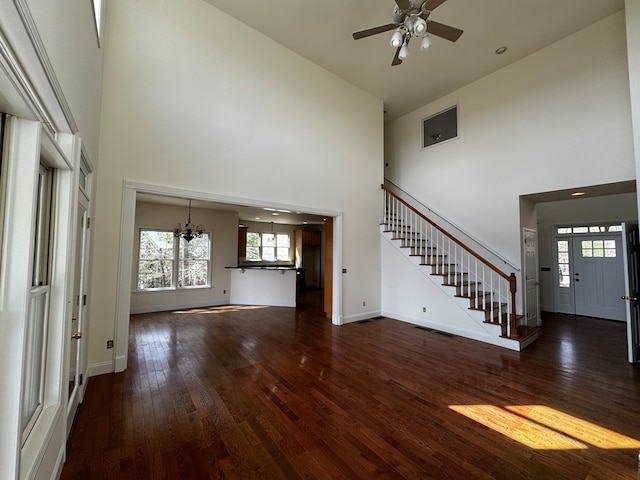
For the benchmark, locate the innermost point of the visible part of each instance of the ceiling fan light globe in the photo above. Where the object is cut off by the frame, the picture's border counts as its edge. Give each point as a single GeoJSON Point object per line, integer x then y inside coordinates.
{"type": "Point", "coordinates": [404, 52]}
{"type": "Point", "coordinates": [419, 27]}
{"type": "Point", "coordinates": [396, 39]}
{"type": "Point", "coordinates": [425, 43]}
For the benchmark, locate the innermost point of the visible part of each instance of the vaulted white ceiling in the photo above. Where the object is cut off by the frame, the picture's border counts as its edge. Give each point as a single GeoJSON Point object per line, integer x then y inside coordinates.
{"type": "Point", "coordinates": [320, 30]}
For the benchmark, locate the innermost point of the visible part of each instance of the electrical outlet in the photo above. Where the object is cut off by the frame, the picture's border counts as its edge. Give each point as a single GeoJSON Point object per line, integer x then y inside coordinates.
{"type": "Point", "coordinates": [424, 309]}
{"type": "Point", "coordinates": [109, 343]}
{"type": "Point", "coordinates": [344, 270]}
{"type": "Point", "coordinates": [364, 304]}
{"type": "Point", "coordinates": [224, 292]}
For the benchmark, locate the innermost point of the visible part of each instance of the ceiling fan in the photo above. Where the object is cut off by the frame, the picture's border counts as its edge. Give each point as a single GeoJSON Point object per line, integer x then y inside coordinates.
{"type": "Point", "coordinates": [411, 19]}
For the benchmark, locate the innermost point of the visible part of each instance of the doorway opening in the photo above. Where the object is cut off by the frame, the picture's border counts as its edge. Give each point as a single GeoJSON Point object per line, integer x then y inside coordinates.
{"type": "Point", "coordinates": [589, 270]}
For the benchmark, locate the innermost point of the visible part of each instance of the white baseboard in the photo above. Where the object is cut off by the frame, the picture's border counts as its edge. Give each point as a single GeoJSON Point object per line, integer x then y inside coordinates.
{"type": "Point", "coordinates": [100, 368]}
{"type": "Point", "coordinates": [361, 316]}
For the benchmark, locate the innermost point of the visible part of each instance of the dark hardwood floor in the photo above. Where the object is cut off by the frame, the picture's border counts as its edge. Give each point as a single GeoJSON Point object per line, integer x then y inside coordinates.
{"type": "Point", "coordinates": [280, 393]}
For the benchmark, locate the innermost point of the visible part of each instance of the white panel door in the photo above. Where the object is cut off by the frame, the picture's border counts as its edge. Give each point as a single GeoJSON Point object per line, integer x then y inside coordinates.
{"type": "Point", "coordinates": [598, 275]}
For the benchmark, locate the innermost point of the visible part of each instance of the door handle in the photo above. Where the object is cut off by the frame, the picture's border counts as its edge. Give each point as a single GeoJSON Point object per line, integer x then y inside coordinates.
{"type": "Point", "coordinates": [632, 299]}
{"type": "Point", "coordinates": [76, 336]}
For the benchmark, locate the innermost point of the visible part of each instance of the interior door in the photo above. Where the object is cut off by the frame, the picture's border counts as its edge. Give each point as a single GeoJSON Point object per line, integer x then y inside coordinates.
{"type": "Point", "coordinates": [631, 252]}
{"type": "Point", "coordinates": [532, 297]}
{"type": "Point", "coordinates": [598, 274]}
{"type": "Point", "coordinates": [77, 318]}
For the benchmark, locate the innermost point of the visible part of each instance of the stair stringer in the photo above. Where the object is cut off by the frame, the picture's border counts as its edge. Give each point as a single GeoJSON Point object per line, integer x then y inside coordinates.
{"type": "Point", "coordinates": [407, 287]}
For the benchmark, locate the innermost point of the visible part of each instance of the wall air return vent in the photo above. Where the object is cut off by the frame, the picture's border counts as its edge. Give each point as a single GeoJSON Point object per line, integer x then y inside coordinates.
{"type": "Point", "coordinates": [440, 127]}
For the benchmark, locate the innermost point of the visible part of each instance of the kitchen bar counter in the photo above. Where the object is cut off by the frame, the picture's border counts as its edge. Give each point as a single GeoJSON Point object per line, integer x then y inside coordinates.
{"type": "Point", "coordinates": [263, 285]}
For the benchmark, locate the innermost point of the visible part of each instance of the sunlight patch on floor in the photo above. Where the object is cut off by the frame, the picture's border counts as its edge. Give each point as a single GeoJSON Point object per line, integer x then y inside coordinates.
{"type": "Point", "coordinates": [221, 309]}
{"type": "Point", "coordinates": [544, 428]}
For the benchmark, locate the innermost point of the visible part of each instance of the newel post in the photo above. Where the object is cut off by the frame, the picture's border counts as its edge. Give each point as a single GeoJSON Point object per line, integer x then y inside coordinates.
{"type": "Point", "coordinates": [513, 328]}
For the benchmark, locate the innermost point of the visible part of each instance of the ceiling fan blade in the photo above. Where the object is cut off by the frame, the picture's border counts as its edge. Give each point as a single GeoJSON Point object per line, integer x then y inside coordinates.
{"type": "Point", "coordinates": [445, 31]}
{"type": "Point", "coordinates": [396, 58]}
{"type": "Point", "coordinates": [404, 4]}
{"type": "Point", "coordinates": [433, 4]}
{"type": "Point", "coordinates": [374, 31]}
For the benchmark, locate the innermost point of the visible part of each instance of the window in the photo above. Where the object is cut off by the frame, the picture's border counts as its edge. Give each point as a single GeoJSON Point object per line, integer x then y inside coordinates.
{"type": "Point", "coordinates": [37, 317]}
{"type": "Point", "coordinates": [564, 280]}
{"type": "Point", "coordinates": [166, 262]}
{"type": "Point", "coordinates": [97, 17]}
{"type": "Point", "coordinates": [589, 229]}
{"type": "Point", "coordinates": [268, 247]}
{"type": "Point", "coordinates": [598, 248]}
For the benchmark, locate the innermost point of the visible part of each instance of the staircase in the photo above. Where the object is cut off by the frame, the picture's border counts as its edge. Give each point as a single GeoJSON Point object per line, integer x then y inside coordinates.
{"type": "Point", "coordinates": [488, 292]}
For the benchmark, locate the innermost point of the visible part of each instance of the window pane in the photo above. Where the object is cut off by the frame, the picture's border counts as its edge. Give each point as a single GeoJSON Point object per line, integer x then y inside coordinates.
{"type": "Point", "coordinates": [253, 254]}
{"type": "Point", "coordinates": [563, 245]}
{"type": "Point", "coordinates": [35, 350]}
{"type": "Point", "coordinates": [563, 257]}
{"type": "Point", "coordinates": [268, 240]}
{"type": "Point", "coordinates": [193, 273]}
{"type": "Point", "coordinates": [564, 280]}
{"type": "Point", "coordinates": [283, 240]}
{"type": "Point", "coordinates": [610, 253]}
{"type": "Point", "coordinates": [198, 248]}
{"type": "Point", "coordinates": [253, 239]}
{"type": "Point", "coordinates": [580, 229]}
{"type": "Point", "coordinates": [156, 245]}
{"type": "Point", "coordinates": [155, 274]}
{"type": "Point", "coordinates": [268, 254]}
{"type": "Point", "coordinates": [283, 253]}
{"type": "Point", "coordinates": [562, 230]}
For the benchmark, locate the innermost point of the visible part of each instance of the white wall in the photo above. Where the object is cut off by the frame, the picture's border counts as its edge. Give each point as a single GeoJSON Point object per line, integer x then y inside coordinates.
{"type": "Point", "coordinates": [610, 208]}
{"type": "Point", "coordinates": [223, 227]}
{"type": "Point", "coordinates": [67, 28]}
{"type": "Point", "coordinates": [195, 100]}
{"type": "Point", "coordinates": [50, 72]}
{"type": "Point", "coordinates": [557, 119]}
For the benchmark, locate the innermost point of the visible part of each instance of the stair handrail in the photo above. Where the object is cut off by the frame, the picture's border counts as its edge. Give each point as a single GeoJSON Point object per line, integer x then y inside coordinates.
{"type": "Point", "coordinates": [511, 278]}
{"type": "Point", "coordinates": [486, 248]}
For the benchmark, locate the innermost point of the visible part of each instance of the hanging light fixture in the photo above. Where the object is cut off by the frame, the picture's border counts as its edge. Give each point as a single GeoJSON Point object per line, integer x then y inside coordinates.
{"type": "Point", "coordinates": [190, 231]}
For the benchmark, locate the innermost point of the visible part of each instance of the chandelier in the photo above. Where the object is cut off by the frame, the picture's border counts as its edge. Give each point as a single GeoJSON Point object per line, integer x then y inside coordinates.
{"type": "Point", "coordinates": [190, 231]}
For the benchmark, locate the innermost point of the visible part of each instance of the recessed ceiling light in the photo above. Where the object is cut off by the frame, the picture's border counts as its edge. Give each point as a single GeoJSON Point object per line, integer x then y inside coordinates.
{"type": "Point", "coordinates": [501, 50]}
{"type": "Point", "coordinates": [269, 209]}
{"type": "Point", "coordinates": [275, 214]}
{"type": "Point", "coordinates": [257, 218]}
{"type": "Point", "coordinates": [577, 194]}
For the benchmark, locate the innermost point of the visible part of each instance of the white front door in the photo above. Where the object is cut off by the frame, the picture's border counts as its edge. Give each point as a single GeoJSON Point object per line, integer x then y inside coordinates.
{"type": "Point", "coordinates": [598, 276]}
{"type": "Point", "coordinates": [532, 297]}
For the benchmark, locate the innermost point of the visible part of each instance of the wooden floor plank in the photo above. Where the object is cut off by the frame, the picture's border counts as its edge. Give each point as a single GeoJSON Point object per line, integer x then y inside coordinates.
{"type": "Point", "coordinates": [269, 392]}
